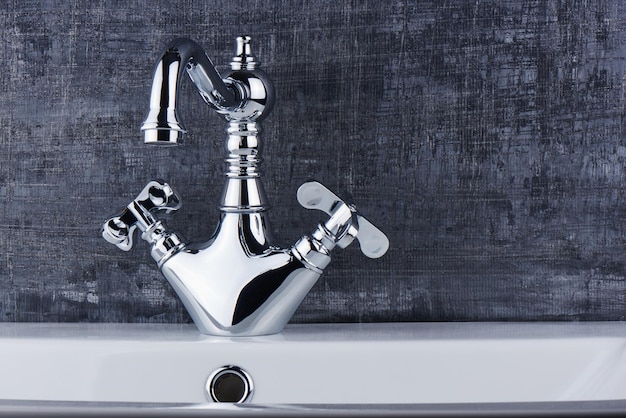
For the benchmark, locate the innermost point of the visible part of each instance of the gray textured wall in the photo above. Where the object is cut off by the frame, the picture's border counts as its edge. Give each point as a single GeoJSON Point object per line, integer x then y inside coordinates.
{"type": "Point", "coordinates": [485, 137]}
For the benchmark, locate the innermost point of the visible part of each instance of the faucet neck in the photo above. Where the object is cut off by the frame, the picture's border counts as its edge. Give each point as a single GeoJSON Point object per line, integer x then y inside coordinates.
{"type": "Point", "coordinates": [163, 125]}
{"type": "Point", "coordinates": [243, 191]}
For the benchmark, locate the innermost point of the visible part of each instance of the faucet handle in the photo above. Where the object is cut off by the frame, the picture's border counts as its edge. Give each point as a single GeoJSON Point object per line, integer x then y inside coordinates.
{"type": "Point", "coordinates": [157, 195]}
{"type": "Point", "coordinates": [345, 222]}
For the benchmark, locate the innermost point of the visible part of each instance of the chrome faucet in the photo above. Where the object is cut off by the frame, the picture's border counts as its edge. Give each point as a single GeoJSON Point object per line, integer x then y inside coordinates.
{"type": "Point", "coordinates": [237, 283]}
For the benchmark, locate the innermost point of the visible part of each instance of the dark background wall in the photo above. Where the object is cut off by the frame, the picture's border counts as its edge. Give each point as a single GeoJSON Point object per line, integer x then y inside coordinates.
{"type": "Point", "coordinates": [485, 137]}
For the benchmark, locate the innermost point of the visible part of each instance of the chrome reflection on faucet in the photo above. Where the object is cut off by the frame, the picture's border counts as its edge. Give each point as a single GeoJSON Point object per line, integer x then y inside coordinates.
{"type": "Point", "coordinates": [237, 283]}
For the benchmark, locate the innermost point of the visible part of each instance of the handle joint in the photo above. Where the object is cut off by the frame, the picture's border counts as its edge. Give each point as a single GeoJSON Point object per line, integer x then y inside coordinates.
{"type": "Point", "coordinates": [345, 222]}
{"type": "Point", "coordinates": [119, 230]}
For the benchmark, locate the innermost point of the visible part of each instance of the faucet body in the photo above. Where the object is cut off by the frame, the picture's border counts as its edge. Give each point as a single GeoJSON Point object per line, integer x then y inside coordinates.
{"type": "Point", "coordinates": [237, 283]}
{"type": "Point", "coordinates": [246, 286]}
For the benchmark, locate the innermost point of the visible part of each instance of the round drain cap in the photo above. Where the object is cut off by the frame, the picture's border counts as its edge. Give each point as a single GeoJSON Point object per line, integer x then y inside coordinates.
{"type": "Point", "coordinates": [229, 384]}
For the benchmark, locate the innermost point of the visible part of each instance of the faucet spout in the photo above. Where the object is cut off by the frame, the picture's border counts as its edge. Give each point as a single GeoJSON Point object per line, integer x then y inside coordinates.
{"type": "Point", "coordinates": [163, 125]}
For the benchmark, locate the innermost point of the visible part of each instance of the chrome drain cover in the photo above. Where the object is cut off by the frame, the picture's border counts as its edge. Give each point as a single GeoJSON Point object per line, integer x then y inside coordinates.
{"type": "Point", "coordinates": [229, 384]}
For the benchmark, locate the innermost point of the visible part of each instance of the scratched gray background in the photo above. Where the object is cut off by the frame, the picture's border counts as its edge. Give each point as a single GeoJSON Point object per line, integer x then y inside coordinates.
{"type": "Point", "coordinates": [485, 137]}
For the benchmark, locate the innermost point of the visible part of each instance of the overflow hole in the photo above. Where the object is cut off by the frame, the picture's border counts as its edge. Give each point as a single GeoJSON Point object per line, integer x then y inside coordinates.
{"type": "Point", "coordinates": [229, 384]}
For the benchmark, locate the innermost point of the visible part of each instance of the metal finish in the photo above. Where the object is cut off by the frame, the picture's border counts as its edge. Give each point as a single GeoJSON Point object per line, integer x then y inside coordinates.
{"type": "Point", "coordinates": [243, 383]}
{"type": "Point", "coordinates": [237, 282]}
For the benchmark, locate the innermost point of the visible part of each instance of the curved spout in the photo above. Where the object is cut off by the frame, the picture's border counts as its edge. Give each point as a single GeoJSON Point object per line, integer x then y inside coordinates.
{"type": "Point", "coordinates": [163, 125]}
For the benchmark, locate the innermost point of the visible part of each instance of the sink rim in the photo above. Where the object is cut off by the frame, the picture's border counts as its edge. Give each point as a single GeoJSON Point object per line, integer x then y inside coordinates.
{"type": "Point", "coordinates": [11, 408]}
{"type": "Point", "coordinates": [108, 341]}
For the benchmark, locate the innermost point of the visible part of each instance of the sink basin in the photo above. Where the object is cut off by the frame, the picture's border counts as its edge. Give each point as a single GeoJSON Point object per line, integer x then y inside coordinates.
{"type": "Point", "coordinates": [393, 368]}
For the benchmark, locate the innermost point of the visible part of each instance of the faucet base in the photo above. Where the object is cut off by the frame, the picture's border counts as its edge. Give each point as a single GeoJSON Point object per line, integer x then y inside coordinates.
{"type": "Point", "coordinates": [238, 319]}
{"type": "Point", "coordinates": [237, 283]}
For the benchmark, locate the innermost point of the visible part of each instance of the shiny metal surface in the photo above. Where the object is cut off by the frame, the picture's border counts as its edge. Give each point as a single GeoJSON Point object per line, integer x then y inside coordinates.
{"type": "Point", "coordinates": [237, 283]}
{"type": "Point", "coordinates": [245, 94]}
{"type": "Point", "coordinates": [119, 230]}
{"type": "Point", "coordinates": [240, 392]}
{"type": "Point", "coordinates": [162, 124]}
{"type": "Point", "coordinates": [345, 223]}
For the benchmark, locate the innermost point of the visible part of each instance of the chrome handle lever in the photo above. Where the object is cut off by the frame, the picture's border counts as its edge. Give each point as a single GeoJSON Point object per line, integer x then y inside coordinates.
{"type": "Point", "coordinates": [345, 223]}
{"type": "Point", "coordinates": [157, 195]}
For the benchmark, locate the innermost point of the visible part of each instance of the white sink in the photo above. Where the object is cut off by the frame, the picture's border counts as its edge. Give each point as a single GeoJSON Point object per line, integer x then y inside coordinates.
{"type": "Point", "coordinates": [399, 367]}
